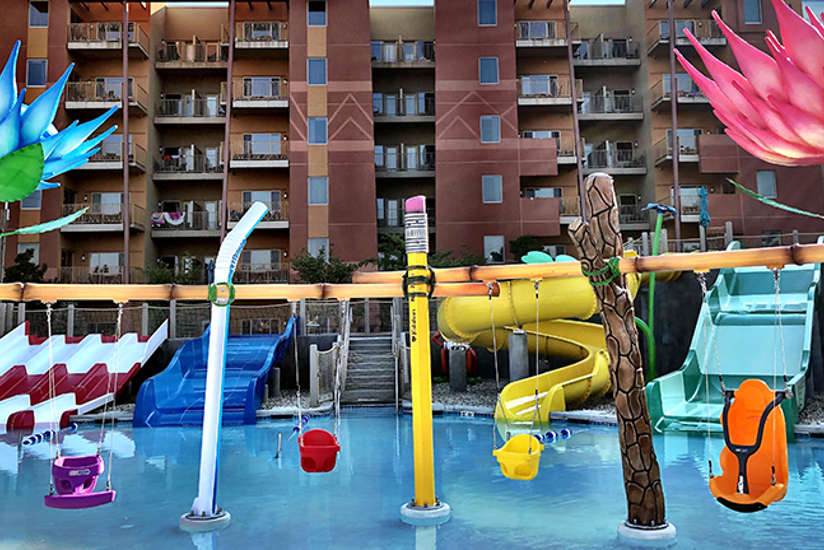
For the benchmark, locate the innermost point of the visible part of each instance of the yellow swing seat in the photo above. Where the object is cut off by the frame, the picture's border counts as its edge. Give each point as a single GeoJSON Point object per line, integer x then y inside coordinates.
{"type": "Point", "coordinates": [754, 459]}
{"type": "Point", "coordinates": [520, 457]}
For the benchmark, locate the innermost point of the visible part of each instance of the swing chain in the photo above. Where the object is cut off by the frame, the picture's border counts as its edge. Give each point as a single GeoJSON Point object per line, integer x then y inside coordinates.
{"type": "Point", "coordinates": [777, 281]}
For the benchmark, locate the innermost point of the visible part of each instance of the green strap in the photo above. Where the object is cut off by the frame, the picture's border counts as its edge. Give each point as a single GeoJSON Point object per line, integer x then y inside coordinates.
{"type": "Point", "coordinates": [221, 301]}
{"type": "Point", "coordinates": [611, 268]}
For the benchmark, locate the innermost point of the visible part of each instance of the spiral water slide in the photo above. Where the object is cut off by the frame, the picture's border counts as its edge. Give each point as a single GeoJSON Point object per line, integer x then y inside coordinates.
{"type": "Point", "coordinates": [468, 320]}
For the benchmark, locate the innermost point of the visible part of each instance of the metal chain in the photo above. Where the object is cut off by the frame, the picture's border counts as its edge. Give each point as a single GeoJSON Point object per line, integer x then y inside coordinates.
{"type": "Point", "coordinates": [118, 332]}
{"type": "Point", "coordinates": [702, 280]}
{"type": "Point", "coordinates": [54, 446]}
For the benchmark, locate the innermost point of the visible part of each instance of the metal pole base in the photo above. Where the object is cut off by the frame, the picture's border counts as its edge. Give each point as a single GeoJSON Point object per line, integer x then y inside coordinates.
{"type": "Point", "coordinates": [654, 537]}
{"type": "Point", "coordinates": [199, 524]}
{"type": "Point", "coordinates": [430, 515]}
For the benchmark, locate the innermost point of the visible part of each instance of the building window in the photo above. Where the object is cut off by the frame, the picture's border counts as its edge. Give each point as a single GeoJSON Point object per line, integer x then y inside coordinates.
{"type": "Point", "coordinates": [316, 13]}
{"type": "Point", "coordinates": [36, 72]}
{"type": "Point", "coordinates": [488, 70]}
{"type": "Point", "coordinates": [270, 198]}
{"type": "Point", "coordinates": [38, 14]}
{"type": "Point", "coordinates": [543, 192]}
{"type": "Point", "coordinates": [34, 247]}
{"type": "Point", "coordinates": [752, 12]}
{"type": "Point", "coordinates": [32, 202]}
{"type": "Point", "coordinates": [379, 209]}
{"type": "Point", "coordinates": [317, 130]}
{"type": "Point", "coordinates": [492, 189]}
{"type": "Point", "coordinates": [494, 248]}
{"type": "Point", "coordinates": [105, 262]}
{"type": "Point", "coordinates": [261, 86]}
{"type": "Point", "coordinates": [766, 183]}
{"type": "Point", "coordinates": [487, 13]}
{"type": "Point", "coordinates": [260, 260]}
{"type": "Point", "coordinates": [261, 146]}
{"type": "Point", "coordinates": [316, 71]}
{"type": "Point", "coordinates": [318, 246]}
{"type": "Point", "coordinates": [106, 203]}
{"type": "Point", "coordinates": [490, 129]}
{"type": "Point", "coordinates": [319, 190]}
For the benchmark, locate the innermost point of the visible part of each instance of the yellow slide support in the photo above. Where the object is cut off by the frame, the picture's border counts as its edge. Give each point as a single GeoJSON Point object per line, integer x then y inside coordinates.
{"type": "Point", "coordinates": [467, 320]}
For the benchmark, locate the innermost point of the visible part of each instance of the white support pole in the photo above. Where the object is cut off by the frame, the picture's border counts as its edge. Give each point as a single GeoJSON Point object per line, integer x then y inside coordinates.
{"type": "Point", "coordinates": [172, 319]}
{"type": "Point", "coordinates": [702, 237]}
{"type": "Point", "coordinates": [314, 370]}
{"type": "Point", "coordinates": [21, 313]}
{"type": "Point", "coordinates": [144, 318]}
{"type": "Point", "coordinates": [205, 515]}
{"type": "Point", "coordinates": [70, 321]}
{"type": "Point", "coordinates": [727, 234]}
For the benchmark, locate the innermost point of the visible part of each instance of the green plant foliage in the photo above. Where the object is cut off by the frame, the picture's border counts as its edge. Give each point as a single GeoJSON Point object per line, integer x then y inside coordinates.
{"type": "Point", "coordinates": [523, 245]}
{"type": "Point", "coordinates": [20, 172]}
{"type": "Point", "coordinates": [24, 270]}
{"type": "Point", "coordinates": [440, 258]}
{"type": "Point", "coordinates": [391, 252]}
{"type": "Point", "coordinates": [317, 269]}
{"type": "Point", "coordinates": [192, 274]}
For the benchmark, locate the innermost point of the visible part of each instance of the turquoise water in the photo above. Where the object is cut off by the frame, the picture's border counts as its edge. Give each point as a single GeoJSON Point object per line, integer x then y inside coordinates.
{"type": "Point", "coordinates": [576, 501]}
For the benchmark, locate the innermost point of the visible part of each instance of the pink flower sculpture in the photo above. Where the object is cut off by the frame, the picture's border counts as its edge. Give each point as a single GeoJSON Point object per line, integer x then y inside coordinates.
{"type": "Point", "coordinates": [775, 109]}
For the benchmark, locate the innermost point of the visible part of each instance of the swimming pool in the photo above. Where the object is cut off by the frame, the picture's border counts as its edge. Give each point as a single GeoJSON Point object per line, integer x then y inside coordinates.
{"type": "Point", "coordinates": [576, 501]}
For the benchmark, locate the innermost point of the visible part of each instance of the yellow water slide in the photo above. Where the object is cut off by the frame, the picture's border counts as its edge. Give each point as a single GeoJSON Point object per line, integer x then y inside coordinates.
{"type": "Point", "coordinates": [468, 320]}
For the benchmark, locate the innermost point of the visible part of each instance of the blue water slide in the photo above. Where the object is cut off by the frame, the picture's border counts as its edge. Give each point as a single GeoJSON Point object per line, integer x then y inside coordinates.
{"type": "Point", "coordinates": [175, 397]}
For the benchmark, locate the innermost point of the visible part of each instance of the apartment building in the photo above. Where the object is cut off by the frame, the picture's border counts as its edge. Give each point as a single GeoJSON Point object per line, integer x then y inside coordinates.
{"type": "Point", "coordinates": [332, 113]}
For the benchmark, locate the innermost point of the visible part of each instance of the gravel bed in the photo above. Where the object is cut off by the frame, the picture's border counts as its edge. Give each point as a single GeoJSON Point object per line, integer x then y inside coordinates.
{"type": "Point", "coordinates": [813, 413]}
{"type": "Point", "coordinates": [289, 398]}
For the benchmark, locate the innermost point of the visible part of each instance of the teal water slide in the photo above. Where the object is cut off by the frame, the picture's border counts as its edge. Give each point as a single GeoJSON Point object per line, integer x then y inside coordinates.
{"type": "Point", "coordinates": [737, 336]}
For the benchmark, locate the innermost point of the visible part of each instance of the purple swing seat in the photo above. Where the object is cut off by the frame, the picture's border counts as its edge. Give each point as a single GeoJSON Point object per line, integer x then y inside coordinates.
{"type": "Point", "coordinates": [74, 480]}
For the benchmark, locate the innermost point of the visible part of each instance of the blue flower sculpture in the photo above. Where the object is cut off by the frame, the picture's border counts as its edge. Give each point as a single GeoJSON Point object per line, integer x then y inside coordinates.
{"type": "Point", "coordinates": [32, 150]}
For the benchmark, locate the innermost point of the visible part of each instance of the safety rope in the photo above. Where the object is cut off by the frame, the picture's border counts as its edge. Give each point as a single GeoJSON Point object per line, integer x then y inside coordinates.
{"type": "Point", "coordinates": [537, 284]}
{"type": "Point", "coordinates": [297, 380]}
{"type": "Point", "coordinates": [498, 405]}
{"type": "Point", "coordinates": [118, 331]}
{"type": "Point", "coordinates": [612, 269]}
{"type": "Point", "coordinates": [702, 280]}
{"type": "Point", "coordinates": [780, 328]}
{"type": "Point", "coordinates": [54, 446]}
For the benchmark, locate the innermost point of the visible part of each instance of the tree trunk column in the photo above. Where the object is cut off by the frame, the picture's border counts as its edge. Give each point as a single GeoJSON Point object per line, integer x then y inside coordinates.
{"type": "Point", "coordinates": [597, 241]}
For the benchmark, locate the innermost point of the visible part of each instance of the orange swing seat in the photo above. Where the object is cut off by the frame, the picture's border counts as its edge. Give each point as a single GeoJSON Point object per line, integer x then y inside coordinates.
{"type": "Point", "coordinates": [754, 459]}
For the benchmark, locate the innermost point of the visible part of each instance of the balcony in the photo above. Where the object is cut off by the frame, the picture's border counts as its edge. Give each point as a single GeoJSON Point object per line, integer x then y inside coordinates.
{"type": "Point", "coordinates": [547, 90]}
{"type": "Point", "coordinates": [564, 143]}
{"type": "Point", "coordinates": [390, 215]}
{"type": "Point", "coordinates": [404, 161]}
{"type": "Point", "coordinates": [99, 275]}
{"type": "Point", "coordinates": [541, 217]}
{"type": "Point", "coordinates": [261, 273]}
{"type": "Point", "coordinates": [706, 31]}
{"type": "Point", "coordinates": [189, 164]}
{"type": "Point", "coordinates": [544, 34]}
{"type": "Point", "coordinates": [259, 151]}
{"type": "Point", "coordinates": [570, 209]}
{"type": "Point", "coordinates": [403, 107]}
{"type": "Point", "coordinates": [188, 111]}
{"type": "Point", "coordinates": [104, 39]}
{"type": "Point", "coordinates": [690, 203]}
{"type": "Point", "coordinates": [275, 218]}
{"type": "Point", "coordinates": [599, 108]}
{"type": "Point", "coordinates": [660, 93]}
{"type": "Point", "coordinates": [101, 218]}
{"type": "Point", "coordinates": [688, 150]}
{"type": "Point", "coordinates": [197, 55]}
{"type": "Point", "coordinates": [259, 36]}
{"type": "Point", "coordinates": [626, 162]}
{"type": "Point", "coordinates": [418, 54]}
{"type": "Point", "coordinates": [110, 156]}
{"type": "Point", "coordinates": [607, 53]}
{"type": "Point", "coordinates": [104, 93]}
{"type": "Point", "coordinates": [538, 157]}
{"type": "Point", "coordinates": [185, 224]}
{"type": "Point", "coordinates": [257, 92]}
{"type": "Point", "coordinates": [717, 154]}
{"type": "Point", "coordinates": [633, 218]}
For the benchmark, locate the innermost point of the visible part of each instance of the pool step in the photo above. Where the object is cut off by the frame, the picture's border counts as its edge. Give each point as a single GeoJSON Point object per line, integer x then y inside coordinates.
{"type": "Point", "coordinates": [370, 374]}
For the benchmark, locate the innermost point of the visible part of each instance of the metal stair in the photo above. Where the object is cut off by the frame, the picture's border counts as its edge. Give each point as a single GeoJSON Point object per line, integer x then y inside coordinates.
{"type": "Point", "coordinates": [370, 374]}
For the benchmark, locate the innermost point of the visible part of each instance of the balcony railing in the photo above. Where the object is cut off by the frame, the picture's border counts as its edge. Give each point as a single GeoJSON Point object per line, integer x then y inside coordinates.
{"type": "Point", "coordinates": [259, 147]}
{"type": "Point", "coordinates": [256, 89]}
{"type": "Point", "coordinates": [182, 53]}
{"type": "Point", "coordinates": [620, 158]}
{"type": "Point", "coordinates": [418, 52]}
{"type": "Point", "coordinates": [551, 30]}
{"type": "Point", "coordinates": [105, 274]}
{"type": "Point", "coordinates": [404, 104]}
{"type": "Point", "coordinates": [404, 158]}
{"type": "Point", "coordinates": [188, 108]}
{"type": "Point", "coordinates": [92, 35]}
{"type": "Point", "coordinates": [111, 150]}
{"type": "Point", "coordinates": [277, 211]}
{"type": "Point", "coordinates": [600, 104]}
{"type": "Point", "coordinates": [706, 31]}
{"type": "Point", "coordinates": [632, 213]}
{"type": "Point", "coordinates": [548, 86]}
{"type": "Point", "coordinates": [188, 163]}
{"type": "Point", "coordinates": [106, 214]}
{"type": "Point", "coordinates": [688, 146]}
{"type": "Point", "coordinates": [395, 217]}
{"type": "Point", "coordinates": [596, 49]}
{"type": "Point", "coordinates": [186, 221]}
{"type": "Point", "coordinates": [570, 206]}
{"type": "Point", "coordinates": [564, 140]}
{"type": "Point", "coordinates": [261, 273]}
{"type": "Point", "coordinates": [690, 200]}
{"type": "Point", "coordinates": [687, 91]}
{"type": "Point", "coordinates": [94, 91]}
{"type": "Point", "coordinates": [260, 32]}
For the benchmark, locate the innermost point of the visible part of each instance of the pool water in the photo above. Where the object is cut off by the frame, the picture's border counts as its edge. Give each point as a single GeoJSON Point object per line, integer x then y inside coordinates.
{"type": "Point", "coordinates": [576, 501]}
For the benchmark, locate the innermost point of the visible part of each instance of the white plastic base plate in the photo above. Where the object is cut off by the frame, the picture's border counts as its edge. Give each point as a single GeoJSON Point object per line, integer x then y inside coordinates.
{"type": "Point", "coordinates": [431, 515]}
{"type": "Point", "coordinates": [196, 524]}
{"type": "Point", "coordinates": [655, 537]}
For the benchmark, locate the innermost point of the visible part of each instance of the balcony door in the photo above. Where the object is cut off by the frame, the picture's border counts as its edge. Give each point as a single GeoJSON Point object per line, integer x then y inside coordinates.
{"type": "Point", "coordinates": [106, 203]}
